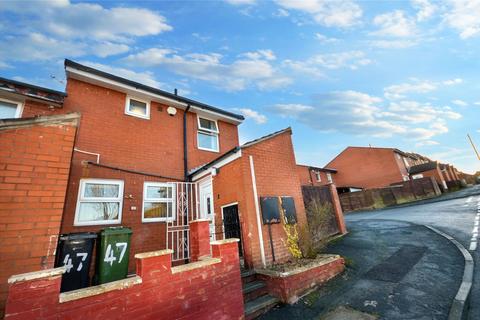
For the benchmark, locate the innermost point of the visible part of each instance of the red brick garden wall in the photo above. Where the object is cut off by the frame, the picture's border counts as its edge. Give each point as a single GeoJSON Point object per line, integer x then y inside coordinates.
{"type": "Point", "coordinates": [34, 168]}
{"type": "Point", "coordinates": [208, 289]}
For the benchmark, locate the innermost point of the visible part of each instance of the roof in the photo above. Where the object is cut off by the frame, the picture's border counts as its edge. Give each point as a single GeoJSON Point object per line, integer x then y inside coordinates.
{"type": "Point", "coordinates": [137, 85]}
{"type": "Point", "coordinates": [237, 149]}
{"type": "Point", "coordinates": [268, 136]}
{"type": "Point", "coordinates": [318, 168]}
{"type": "Point", "coordinates": [422, 167]}
{"type": "Point", "coordinates": [32, 91]}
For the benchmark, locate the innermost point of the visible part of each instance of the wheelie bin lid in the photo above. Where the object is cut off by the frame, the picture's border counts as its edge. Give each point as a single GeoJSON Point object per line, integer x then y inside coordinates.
{"type": "Point", "coordinates": [78, 236]}
{"type": "Point", "coordinates": [116, 230]}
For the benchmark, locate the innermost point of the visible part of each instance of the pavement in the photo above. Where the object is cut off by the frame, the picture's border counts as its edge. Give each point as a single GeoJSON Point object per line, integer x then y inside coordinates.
{"type": "Point", "coordinates": [397, 268]}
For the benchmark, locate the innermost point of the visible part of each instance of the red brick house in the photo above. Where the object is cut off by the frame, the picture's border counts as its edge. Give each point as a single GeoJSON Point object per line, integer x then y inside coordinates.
{"type": "Point", "coordinates": [315, 176]}
{"type": "Point", "coordinates": [35, 158]}
{"type": "Point", "coordinates": [157, 162]}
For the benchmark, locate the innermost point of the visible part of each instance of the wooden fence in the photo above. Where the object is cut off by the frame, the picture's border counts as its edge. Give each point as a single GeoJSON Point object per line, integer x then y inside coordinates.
{"type": "Point", "coordinates": [322, 196]}
{"type": "Point", "coordinates": [398, 193]}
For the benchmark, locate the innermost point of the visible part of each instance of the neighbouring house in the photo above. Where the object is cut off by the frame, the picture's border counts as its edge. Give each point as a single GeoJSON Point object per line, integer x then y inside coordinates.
{"type": "Point", "coordinates": [155, 162]}
{"type": "Point", "coordinates": [315, 176]}
{"type": "Point", "coordinates": [35, 156]}
{"type": "Point", "coordinates": [372, 167]}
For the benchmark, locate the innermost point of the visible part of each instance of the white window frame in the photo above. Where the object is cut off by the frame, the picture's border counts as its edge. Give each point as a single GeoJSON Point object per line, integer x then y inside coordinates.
{"type": "Point", "coordinates": [81, 198]}
{"type": "Point", "coordinates": [318, 177]}
{"type": "Point", "coordinates": [173, 200]}
{"type": "Point", "coordinates": [210, 132]}
{"type": "Point", "coordinates": [133, 114]}
{"type": "Point", "coordinates": [329, 177]}
{"type": "Point", "coordinates": [19, 110]}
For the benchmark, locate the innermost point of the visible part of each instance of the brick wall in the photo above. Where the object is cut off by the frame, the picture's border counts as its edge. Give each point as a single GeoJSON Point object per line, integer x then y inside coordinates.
{"type": "Point", "coordinates": [276, 175]}
{"type": "Point", "coordinates": [437, 174]}
{"type": "Point", "coordinates": [208, 289]}
{"type": "Point", "coordinates": [34, 167]}
{"type": "Point", "coordinates": [367, 167]}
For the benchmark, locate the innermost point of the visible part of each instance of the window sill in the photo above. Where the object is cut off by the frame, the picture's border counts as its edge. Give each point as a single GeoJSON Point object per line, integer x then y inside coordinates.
{"type": "Point", "coordinates": [209, 150]}
{"type": "Point", "coordinates": [95, 223]}
{"type": "Point", "coordinates": [137, 116]}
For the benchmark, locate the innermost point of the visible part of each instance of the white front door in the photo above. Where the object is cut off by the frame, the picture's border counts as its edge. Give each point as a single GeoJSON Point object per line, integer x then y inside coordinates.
{"type": "Point", "coordinates": [206, 205]}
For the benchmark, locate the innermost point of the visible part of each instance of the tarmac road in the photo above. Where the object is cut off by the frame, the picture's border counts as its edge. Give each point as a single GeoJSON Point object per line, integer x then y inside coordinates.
{"type": "Point", "coordinates": [429, 271]}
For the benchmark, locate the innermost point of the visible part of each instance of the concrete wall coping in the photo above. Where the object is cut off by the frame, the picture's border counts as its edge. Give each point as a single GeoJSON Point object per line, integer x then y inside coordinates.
{"type": "Point", "coordinates": [48, 273]}
{"type": "Point", "coordinates": [195, 265]}
{"type": "Point", "coordinates": [102, 288]}
{"type": "Point", "coordinates": [151, 254]}
{"type": "Point", "coordinates": [224, 241]}
{"type": "Point", "coordinates": [200, 220]}
{"type": "Point", "coordinates": [57, 119]}
{"type": "Point", "coordinates": [326, 259]}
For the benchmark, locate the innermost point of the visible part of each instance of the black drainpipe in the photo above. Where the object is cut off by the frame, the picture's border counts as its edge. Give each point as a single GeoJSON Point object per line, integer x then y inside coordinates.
{"type": "Point", "coordinates": [185, 151]}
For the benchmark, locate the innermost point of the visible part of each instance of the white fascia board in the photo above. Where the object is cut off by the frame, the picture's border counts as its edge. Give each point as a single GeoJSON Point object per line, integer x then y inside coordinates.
{"type": "Point", "coordinates": [219, 164]}
{"type": "Point", "coordinates": [118, 86]}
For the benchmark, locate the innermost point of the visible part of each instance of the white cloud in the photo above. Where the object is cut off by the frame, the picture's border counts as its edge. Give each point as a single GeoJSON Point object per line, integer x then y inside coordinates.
{"type": "Point", "coordinates": [329, 13]}
{"type": "Point", "coordinates": [74, 29]}
{"type": "Point", "coordinates": [425, 9]}
{"type": "Point", "coordinates": [260, 54]}
{"type": "Point", "coordinates": [252, 114]}
{"type": "Point", "coordinates": [464, 16]}
{"type": "Point", "coordinates": [394, 24]}
{"type": "Point", "coordinates": [317, 64]}
{"type": "Point", "coordinates": [398, 91]}
{"type": "Point", "coordinates": [477, 103]}
{"type": "Point", "coordinates": [459, 102]}
{"type": "Point", "coordinates": [251, 69]}
{"type": "Point", "coordinates": [106, 49]}
{"type": "Point", "coordinates": [426, 143]}
{"type": "Point", "coordinates": [146, 78]}
{"type": "Point", "coordinates": [452, 82]}
{"type": "Point", "coordinates": [281, 13]}
{"type": "Point", "coordinates": [324, 39]}
{"type": "Point", "coordinates": [361, 114]}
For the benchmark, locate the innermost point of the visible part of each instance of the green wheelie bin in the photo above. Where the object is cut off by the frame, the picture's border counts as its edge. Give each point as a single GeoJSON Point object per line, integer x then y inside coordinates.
{"type": "Point", "coordinates": [112, 254]}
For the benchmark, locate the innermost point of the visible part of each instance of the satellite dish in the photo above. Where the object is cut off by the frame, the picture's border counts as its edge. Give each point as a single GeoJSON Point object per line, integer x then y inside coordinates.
{"type": "Point", "coordinates": [171, 111]}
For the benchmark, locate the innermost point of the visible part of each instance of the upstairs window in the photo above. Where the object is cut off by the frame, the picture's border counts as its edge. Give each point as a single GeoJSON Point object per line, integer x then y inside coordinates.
{"type": "Point", "coordinates": [158, 202]}
{"type": "Point", "coordinates": [207, 135]}
{"type": "Point", "coordinates": [10, 109]}
{"type": "Point", "coordinates": [317, 176]}
{"type": "Point", "coordinates": [99, 202]}
{"type": "Point", "coordinates": [137, 108]}
{"type": "Point", "coordinates": [329, 177]}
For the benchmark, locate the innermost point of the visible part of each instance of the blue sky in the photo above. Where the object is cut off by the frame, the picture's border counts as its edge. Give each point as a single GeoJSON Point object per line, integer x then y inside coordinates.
{"type": "Point", "coordinates": [400, 74]}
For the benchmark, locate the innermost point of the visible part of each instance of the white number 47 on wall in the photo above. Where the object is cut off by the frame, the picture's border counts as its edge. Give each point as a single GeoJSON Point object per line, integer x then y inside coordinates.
{"type": "Point", "coordinates": [110, 255]}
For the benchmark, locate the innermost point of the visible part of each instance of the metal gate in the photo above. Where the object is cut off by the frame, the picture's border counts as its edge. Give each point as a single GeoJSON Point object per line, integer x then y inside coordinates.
{"type": "Point", "coordinates": [186, 209]}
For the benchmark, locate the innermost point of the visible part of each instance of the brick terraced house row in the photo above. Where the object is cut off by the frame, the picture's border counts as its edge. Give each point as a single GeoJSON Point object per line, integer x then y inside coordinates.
{"type": "Point", "coordinates": [315, 176]}
{"type": "Point", "coordinates": [372, 167]}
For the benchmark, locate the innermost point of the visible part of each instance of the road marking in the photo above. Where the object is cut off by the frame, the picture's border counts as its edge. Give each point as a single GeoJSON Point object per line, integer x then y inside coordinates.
{"type": "Point", "coordinates": [474, 240]}
{"type": "Point", "coordinates": [469, 200]}
{"type": "Point", "coordinates": [473, 246]}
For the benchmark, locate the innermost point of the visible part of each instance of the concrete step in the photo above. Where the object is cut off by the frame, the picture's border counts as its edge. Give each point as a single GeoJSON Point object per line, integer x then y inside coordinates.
{"type": "Point", "coordinates": [248, 276]}
{"type": "Point", "coordinates": [259, 306]}
{"type": "Point", "coordinates": [253, 290]}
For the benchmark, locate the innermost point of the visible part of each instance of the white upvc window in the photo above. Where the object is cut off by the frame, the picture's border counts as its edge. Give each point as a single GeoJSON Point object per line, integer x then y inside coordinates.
{"type": "Point", "coordinates": [99, 202]}
{"type": "Point", "coordinates": [317, 176]}
{"type": "Point", "coordinates": [137, 108]}
{"type": "Point", "coordinates": [10, 109]}
{"type": "Point", "coordinates": [207, 136]}
{"type": "Point", "coordinates": [158, 202]}
{"type": "Point", "coordinates": [329, 177]}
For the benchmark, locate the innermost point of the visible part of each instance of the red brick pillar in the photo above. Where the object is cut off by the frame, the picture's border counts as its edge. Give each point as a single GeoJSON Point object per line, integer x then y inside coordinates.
{"type": "Point", "coordinates": [199, 239]}
{"type": "Point", "coordinates": [33, 295]}
{"type": "Point", "coordinates": [150, 264]}
{"type": "Point", "coordinates": [337, 208]}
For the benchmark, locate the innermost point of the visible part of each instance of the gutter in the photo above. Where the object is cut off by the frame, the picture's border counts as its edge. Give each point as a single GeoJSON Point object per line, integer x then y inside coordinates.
{"type": "Point", "coordinates": [185, 150]}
